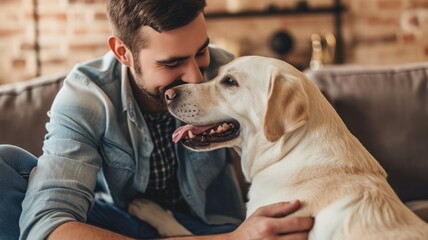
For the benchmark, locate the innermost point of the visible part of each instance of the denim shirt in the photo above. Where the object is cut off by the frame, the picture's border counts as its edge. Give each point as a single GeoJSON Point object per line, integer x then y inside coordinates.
{"type": "Point", "coordinates": [96, 126]}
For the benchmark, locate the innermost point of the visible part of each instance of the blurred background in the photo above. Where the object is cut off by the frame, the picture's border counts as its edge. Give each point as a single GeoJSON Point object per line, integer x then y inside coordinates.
{"type": "Point", "coordinates": [42, 37]}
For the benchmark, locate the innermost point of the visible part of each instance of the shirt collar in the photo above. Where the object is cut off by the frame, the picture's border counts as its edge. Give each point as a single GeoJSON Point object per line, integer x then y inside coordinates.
{"type": "Point", "coordinates": [127, 102]}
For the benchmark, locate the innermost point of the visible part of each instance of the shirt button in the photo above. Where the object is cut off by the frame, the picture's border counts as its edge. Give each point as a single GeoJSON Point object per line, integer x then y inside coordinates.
{"type": "Point", "coordinates": [189, 196]}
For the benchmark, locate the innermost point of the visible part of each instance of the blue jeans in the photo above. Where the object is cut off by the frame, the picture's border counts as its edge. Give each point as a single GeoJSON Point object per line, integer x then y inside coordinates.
{"type": "Point", "coordinates": [15, 167]}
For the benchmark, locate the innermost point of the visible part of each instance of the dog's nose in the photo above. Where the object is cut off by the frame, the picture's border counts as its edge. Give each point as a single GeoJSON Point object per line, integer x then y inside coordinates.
{"type": "Point", "coordinates": [170, 94]}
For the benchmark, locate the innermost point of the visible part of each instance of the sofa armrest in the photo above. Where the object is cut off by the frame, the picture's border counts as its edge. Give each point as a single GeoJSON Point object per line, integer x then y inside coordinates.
{"type": "Point", "coordinates": [23, 108]}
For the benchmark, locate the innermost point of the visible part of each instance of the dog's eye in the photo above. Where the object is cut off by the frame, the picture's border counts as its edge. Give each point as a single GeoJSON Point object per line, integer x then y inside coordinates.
{"type": "Point", "coordinates": [230, 81]}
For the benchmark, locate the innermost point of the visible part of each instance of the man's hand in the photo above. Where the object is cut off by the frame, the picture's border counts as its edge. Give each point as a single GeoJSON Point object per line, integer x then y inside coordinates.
{"type": "Point", "coordinates": [269, 222]}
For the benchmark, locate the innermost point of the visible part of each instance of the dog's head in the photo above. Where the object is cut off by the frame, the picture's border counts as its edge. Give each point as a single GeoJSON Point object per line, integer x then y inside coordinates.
{"type": "Point", "coordinates": [251, 97]}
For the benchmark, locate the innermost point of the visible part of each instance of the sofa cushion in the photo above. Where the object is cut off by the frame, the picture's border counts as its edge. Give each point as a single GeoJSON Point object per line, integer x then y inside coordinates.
{"type": "Point", "coordinates": [386, 108]}
{"type": "Point", "coordinates": [23, 111]}
{"type": "Point", "coordinates": [420, 208]}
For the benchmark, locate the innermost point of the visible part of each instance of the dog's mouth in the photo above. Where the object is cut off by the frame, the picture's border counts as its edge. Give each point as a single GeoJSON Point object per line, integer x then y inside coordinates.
{"type": "Point", "coordinates": [203, 137]}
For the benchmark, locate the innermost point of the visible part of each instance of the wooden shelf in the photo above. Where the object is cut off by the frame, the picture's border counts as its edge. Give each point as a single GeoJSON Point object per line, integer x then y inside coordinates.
{"type": "Point", "coordinates": [301, 9]}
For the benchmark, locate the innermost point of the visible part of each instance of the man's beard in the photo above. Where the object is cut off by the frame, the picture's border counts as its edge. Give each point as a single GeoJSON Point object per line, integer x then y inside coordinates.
{"type": "Point", "coordinates": [158, 96]}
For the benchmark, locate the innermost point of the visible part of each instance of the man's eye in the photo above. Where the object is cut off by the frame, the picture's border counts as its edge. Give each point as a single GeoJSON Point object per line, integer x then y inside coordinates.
{"type": "Point", "coordinates": [172, 64]}
{"type": "Point", "coordinates": [202, 52]}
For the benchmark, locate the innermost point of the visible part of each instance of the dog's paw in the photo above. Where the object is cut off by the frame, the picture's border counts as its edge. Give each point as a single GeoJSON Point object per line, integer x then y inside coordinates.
{"type": "Point", "coordinates": [163, 221]}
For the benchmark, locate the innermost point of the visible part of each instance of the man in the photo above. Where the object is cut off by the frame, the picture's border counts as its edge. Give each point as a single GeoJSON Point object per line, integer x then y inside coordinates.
{"type": "Point", "coordinates": [109, 122]}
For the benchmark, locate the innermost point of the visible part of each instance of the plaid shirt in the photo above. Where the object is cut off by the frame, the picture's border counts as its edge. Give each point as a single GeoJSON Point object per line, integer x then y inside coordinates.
{"type": "Point", "coordinates": [163, 185]}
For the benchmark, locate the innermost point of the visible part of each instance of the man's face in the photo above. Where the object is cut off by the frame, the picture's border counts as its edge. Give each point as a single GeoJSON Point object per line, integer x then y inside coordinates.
{"type": "Point", "coordinates": [171, 58]}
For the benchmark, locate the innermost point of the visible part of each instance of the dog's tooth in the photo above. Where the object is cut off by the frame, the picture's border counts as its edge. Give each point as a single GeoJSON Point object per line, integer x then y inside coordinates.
{"type": "Point", "coordinates": [212, 131]}
{"type": "Point", "coordinates": [225, 127]}
{"type": "Point", "coordinates": [220, 129]}
{"type": "Point", "coordinates": [191, 135]}
{"type": "Point", "coordinates": [217, 129]}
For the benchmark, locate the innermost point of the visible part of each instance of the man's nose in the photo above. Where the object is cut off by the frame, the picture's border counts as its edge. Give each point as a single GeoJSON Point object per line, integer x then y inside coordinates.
{"type": "Point", "coordinates": [193, 74]}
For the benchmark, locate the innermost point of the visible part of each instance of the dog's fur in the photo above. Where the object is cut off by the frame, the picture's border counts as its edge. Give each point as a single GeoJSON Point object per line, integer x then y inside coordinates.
{"type": "Point", "coordinates": [293, 145]}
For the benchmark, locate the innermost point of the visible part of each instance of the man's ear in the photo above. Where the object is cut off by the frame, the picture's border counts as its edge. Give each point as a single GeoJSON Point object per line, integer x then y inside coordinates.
{"type": "Point", "coordinates": [287, 106]}
{"type": "Point", "coordinates": [122, 53]}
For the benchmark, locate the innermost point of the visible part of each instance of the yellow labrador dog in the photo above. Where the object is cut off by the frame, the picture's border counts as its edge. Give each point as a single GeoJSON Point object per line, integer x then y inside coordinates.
{"type": "Point", "coordinates": [293, 145]}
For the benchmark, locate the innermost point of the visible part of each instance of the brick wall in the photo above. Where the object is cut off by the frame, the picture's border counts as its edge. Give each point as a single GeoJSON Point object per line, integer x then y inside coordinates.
{"type": "Point", "coordinates": [71, 31]}
{"type": "Point", "coordinates": [379, 33]}
{"type": "Point", "coordinates": [16, 40]}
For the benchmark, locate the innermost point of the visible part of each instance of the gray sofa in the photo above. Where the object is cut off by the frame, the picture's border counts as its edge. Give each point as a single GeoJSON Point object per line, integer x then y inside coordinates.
{"type": "Point", "coordinates": [23, 111]}
{"type": "Point", "coordinates": [386, 108]}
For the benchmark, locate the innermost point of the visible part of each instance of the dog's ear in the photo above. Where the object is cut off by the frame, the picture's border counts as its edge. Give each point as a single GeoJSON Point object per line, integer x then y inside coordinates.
{"type": "Point", "coordinates": [287, 106]}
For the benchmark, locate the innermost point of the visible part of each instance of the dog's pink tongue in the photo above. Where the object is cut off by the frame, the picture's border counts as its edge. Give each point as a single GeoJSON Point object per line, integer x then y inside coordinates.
{"type": "Point", "coordinates": [182, 131]}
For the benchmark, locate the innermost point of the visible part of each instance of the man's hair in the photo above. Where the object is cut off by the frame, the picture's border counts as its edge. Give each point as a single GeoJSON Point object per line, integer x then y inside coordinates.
{"type": "Point", "coordinates": [128, 16]}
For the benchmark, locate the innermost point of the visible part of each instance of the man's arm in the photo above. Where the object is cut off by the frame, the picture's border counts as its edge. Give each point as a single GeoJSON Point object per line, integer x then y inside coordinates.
{"type": "Point", "coordinates": [268, 222]}
{"type": "Point", "coordinates": [77, 230]}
